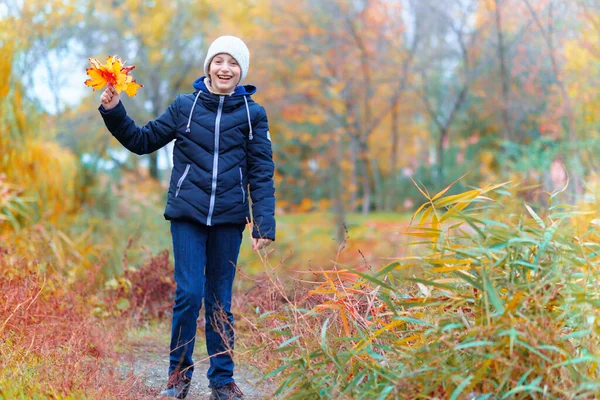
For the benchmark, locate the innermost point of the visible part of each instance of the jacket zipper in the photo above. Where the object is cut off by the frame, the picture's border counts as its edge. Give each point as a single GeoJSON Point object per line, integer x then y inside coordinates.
{"type": "Point", "coordinates": [180, 182]}
{"type": "Point", "coordinates": [242, 186]}
{"type": "Point", "coordinates": [213, 191]}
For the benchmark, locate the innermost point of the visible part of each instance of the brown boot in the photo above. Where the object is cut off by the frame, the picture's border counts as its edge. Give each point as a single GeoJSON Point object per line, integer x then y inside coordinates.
{"type": "Point", "coordinates": [178, 385]}
{"type": "Point", "coordinates": [230, 391]}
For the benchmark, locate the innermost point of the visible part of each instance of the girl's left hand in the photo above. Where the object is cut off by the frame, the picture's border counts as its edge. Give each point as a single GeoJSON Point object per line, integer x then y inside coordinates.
{"type": "Point", "coordinates": [258, 244]}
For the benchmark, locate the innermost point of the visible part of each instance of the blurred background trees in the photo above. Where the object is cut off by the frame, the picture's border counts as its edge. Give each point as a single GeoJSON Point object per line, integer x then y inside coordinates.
{"type": "Point", "coordinates": [362, 96]}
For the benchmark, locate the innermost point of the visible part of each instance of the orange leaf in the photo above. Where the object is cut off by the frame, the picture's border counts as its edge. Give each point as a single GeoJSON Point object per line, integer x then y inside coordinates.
{"type": "Point", "coordinates": [113, 73]}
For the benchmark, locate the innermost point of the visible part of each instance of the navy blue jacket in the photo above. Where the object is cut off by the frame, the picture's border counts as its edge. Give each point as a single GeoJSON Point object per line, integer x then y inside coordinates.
{"type": "Point", "coordinates": [222, 145]}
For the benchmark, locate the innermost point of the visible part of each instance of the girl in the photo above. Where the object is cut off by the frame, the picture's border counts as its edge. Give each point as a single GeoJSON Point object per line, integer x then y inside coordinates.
{"type": "Point", "coordinates": [222, 146]}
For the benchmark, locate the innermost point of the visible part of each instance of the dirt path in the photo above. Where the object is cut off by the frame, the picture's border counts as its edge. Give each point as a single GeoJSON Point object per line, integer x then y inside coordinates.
{"type": "Point", "coordinates": [147, 356]}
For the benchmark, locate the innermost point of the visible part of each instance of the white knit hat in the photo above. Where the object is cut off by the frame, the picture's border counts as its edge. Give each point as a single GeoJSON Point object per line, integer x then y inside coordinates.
{"type": "Point", "coordinates": [233, 46]}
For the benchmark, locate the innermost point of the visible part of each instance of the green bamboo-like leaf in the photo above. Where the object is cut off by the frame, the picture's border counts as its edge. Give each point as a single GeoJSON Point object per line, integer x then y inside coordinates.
{"type": "Point", "coordinates": [289, 341]}
{"type": "Point", "coordinates": [531, 388]}
{"type": "Point", "coordinates": [277, 370]}
{"type": "Point", "coordinates": [479, 343]}
{"type": "Point", "coordinates": [456, 392]}
{"type": "Point", "coordinates": [578, 360]}
{"type": "Point", "coordinates": [413, 321]}
{"type": "Point", "coordinates": [535, 216]}
{"type": "Point", "coordinates": [493, 296]}
{"type": "Point", "coordinates": [372, 279]}
{"type": "Point", "coordinates": [468, 279]}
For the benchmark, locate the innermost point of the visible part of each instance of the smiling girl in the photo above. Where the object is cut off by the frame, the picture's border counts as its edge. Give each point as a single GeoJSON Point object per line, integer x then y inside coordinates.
{"type": "Point", "coordinates": [222, 148]}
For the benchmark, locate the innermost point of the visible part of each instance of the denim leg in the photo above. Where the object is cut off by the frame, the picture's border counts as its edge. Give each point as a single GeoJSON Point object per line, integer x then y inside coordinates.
{"type": "Point", "coordinates": [223, 249]}
{"type": "Point", "coordinates": [189, 251]}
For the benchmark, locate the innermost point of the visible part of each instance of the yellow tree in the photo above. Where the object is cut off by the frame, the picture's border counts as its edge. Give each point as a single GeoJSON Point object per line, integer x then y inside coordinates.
{"type": "Point", "coordinates": [30, 161]}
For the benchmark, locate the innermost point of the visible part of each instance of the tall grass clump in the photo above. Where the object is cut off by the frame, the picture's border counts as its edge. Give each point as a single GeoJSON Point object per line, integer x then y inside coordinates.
{"type": "Point", "coordinates": [495, 300]}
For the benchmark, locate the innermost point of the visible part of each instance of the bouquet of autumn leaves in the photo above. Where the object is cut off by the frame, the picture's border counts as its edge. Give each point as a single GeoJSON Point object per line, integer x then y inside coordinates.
{"type": "Point", "coordinates": [114, 73]}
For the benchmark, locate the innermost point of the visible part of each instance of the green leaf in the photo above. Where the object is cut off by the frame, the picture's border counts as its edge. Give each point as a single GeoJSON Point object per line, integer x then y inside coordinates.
{"type": "Point", "coordinates": [372, 279]}
{"type": "Point", "coordinates": [388, 268]}
{"type": "Point", "coordinates": [278, 370]}
{"type": "Point", "coordinates": [493, 296]}
{"type": "Point", "coordinates": [414, 321]}
{"type": "Point", "coordinates": [477, 343]}
{"type": "Point", "coordinates": [587, 358]}
{"type": "Point", "coordinates": [289, 341]}
{"type": "Point", "coordinates": [324, 335]}
{"type": "Point", "coordinates": [531, 388]}
{"type": "Point", "coordinates": [469, 280]}
{"type": "Point", "coordinates": [460, 388]}
{"type": "Point", "coordinates": [535, 216]}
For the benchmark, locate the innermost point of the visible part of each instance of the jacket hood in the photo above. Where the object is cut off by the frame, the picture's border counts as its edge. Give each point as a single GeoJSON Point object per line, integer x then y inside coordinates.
{"type": "Point", "coordinates": [244, 90]}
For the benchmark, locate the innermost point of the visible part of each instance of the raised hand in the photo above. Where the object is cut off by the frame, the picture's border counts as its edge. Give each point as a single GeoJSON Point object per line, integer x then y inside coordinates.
{"type": "Point", "coordinates": [110, 97]}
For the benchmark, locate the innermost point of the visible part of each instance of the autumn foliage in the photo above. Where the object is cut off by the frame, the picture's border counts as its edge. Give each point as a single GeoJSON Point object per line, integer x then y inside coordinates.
{"type": "Point", "coordinates": [490, 291]}
{"type": "Point", "coordinates": [51, 344]}
{"type": "Point", "coordinates": [113, 73]}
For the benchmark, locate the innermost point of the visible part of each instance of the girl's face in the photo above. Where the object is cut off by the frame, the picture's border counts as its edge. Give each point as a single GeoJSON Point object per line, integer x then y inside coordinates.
{"type": "Point", "coordinates": [225, 73]}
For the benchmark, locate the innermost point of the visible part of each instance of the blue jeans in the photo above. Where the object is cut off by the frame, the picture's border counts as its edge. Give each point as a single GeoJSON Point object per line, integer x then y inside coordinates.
{"type": "Point", "coordinates": [205, 264]}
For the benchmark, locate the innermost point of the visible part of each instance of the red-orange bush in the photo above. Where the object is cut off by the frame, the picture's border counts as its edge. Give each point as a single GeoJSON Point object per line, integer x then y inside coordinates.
{"type": "Point", "coordinates": [50, 341]}
{"type": "Point", "coordinates": [147, 292]}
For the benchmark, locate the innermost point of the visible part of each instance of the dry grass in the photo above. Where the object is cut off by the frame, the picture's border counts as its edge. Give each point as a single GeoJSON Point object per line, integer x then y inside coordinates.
{"type": "Point", "coordinates": [50, 342]}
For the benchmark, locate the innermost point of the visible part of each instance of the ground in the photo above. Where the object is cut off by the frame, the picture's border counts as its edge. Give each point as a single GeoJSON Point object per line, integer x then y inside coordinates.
{"type": "Point", "coordinates": [146, 354]}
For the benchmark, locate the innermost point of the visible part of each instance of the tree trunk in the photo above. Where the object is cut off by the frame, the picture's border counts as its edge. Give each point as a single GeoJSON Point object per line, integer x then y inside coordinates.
{"type": "Point", "coordinates": [504, 78]}
{"type": "Point", "coordinates": [337, 193]}
{"type": "Point", "coordinates": [153, 159]}
{"type": "Point", "coordinates": [393, 159]}
{"type": "Point", "coordinates": [440, 154]}
{"type": "Point", "coordinates": [366, 179]}
{"type": "Point", "coordinates": [377, 183]}
{"type": "Point", "coordinates": [354, 165]}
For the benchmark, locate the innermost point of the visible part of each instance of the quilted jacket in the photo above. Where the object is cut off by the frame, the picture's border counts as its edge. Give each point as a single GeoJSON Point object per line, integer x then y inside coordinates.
{"type": "Point", "coordinates": [222, 147]}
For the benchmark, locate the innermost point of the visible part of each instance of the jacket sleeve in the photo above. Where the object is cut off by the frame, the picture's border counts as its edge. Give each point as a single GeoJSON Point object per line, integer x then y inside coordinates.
{"type": "Point", "coordinates": [260, 177]}
{"type": "Point", "coordinates": [141, 140]}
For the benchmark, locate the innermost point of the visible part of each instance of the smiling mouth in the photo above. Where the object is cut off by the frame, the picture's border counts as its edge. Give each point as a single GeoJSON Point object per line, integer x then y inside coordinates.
{"type": "Point", "coordinates": [224, 78]}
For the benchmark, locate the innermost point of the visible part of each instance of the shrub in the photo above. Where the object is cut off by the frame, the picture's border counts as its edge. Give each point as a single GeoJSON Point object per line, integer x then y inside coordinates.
{"type": "Point", "coordinates": [145, 293]}
{"type": "Point", "coordinates": [50, 343]}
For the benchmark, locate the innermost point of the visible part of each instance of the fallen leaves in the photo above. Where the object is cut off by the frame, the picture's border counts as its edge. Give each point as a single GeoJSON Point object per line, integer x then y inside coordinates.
{"type": "Point", "coordinates": [113, 73]}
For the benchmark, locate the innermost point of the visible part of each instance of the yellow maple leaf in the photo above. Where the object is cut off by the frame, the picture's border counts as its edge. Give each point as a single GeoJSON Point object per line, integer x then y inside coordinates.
{"type": "Point", "coordinates": [113, 73]}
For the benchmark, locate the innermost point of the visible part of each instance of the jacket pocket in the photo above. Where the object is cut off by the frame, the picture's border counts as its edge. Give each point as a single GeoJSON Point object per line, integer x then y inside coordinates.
{"type": "Point", "coordinates": [242, 186]}
{"type": "Point", "coordinates": [180, 182]}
